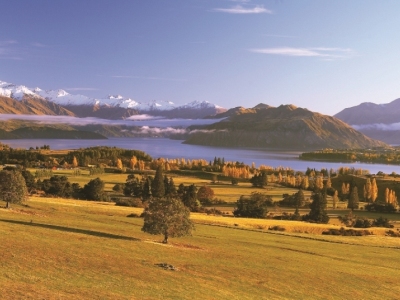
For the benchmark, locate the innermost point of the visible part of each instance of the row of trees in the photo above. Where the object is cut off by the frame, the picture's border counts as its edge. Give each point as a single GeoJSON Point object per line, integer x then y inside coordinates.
{"type": "Point", "coordinates": [256, 206]}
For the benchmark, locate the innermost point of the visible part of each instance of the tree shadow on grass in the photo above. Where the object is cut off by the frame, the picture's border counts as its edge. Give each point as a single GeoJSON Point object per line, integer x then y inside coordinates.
{"type": "Point", "coordinates": [74, 230]}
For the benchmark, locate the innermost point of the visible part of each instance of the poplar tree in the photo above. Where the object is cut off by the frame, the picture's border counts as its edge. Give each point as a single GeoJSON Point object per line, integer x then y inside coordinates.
{"type": "Point", "coordinates": [335, 199]}
{"type": "Point", "coordinates": [367, 190]}
{"type": "Point", "coordinates": [74, 162]}
{"type": "Point", "coordinates": [374, 190]}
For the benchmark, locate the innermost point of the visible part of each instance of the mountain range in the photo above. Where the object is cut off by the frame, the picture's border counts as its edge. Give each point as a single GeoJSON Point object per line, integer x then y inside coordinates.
{"type": "Point", "coordinates": [378, 121]}
{"type": "Point", "coordinates": [60, 102]}
{"type": "Point", "coordinates": [286, 126]}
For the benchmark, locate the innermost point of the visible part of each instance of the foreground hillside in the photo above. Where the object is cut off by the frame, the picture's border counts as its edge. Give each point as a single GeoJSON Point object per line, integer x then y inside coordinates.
{"type": "Point", "coordinates": [66, 249]}
{"type": "Point", "coordinates": [285, 126]}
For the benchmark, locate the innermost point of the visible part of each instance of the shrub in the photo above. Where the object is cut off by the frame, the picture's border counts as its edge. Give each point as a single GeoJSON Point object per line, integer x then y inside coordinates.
{"type": "Point", "coordinates": [392, 233]}
{"type": "Point", "coordinates": [130, 202]}
{"type": "Point", "coordinates": [346, 232]}
{"type": "Point", "coordinates": [382, 208]}
{"type": "Point", "coordinates": [382, 222]}
{"type": "Point", "coordinates": [277, 228]}
{"type": "Point", "coordinates": [362, 223]}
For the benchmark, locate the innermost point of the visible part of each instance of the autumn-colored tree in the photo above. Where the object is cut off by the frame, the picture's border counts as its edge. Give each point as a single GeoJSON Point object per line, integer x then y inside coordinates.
{"type": "Point", "coordinates": [74, 162]}
{"type": "Point", "coordinates": [328, 183]}
{"type": "Point", "coordinates": [305, 183]}
{"type": "Point", "coordinates": [367, 190]}
{"type": "Point", "coordinates": [335, 199]}
{"type": "Point", "coordinates": [374, 190]}
{"type": "Point", "coordinates": [133, 162]}
{"type": "Point", "coordinates": [205, 194]}
{"type": "Point", "coordinates": [319, 183]}
{"type": "Point", "coordinates": [119, 164]}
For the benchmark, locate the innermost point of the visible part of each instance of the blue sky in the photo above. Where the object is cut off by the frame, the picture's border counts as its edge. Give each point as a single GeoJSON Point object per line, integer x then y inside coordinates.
{"type": "Point", "coordinates": [321, 55]}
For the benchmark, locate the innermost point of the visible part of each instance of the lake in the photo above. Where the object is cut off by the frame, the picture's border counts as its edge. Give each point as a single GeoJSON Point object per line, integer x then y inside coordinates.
{"type": "Point", "coordinates": [162, 147]}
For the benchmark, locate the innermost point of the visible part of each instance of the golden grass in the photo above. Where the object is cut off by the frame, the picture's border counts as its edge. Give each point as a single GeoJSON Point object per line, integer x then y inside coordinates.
{"type": "Point", "coordinates": [68, 249]}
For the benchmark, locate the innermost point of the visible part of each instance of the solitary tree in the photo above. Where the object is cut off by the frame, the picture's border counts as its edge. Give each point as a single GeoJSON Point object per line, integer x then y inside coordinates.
{"type": "Point", "coordinates": [167, 216]}
{"type": "Point", "coordinates": [12, 187]}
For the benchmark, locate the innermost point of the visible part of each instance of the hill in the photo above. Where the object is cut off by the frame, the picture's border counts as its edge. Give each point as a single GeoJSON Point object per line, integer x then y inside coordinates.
{"type": "Point", "coordinates": [57, 248]}
{"type": "Point", "coordinates": [371, 113]}
{"type": "Point", "coordinates": [286, 127]}
{"type": "Point", "coordinates": [54, 133]}
{"type": "Point", "coordinates": [378, 121]}
{"type": "Point", "coordinates": [29, 105]}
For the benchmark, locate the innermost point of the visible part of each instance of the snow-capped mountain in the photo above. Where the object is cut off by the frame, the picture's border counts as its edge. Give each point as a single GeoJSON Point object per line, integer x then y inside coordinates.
{"type": "Point", "coordinates": [112, 106]}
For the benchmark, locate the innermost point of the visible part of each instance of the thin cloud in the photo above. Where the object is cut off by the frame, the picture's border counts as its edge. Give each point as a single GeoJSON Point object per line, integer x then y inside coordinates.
{"type": "Point", "coordinates": [8, 51]}
{"type": "Point", "coordinates": [39, 45]}
{"type": "Point", "coordinates": [378, 126]}
{"type": "Point", "coordinates": [154, 122]}
{"type": "Point", "coordinates": [239, 9]}
{"type": "Point", "coordinates": [321, 52]}
{"type": "Point", "coordinates": [149, 78]}
{"type": "Point", "coordinates": [9, 42]}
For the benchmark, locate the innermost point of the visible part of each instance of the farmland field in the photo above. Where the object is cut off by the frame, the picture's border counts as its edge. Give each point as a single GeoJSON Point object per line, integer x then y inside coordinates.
{"type": "Point", "coordinates": [69, 249]}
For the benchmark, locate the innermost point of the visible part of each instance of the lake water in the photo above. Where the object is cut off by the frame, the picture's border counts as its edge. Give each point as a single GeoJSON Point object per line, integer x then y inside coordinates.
{"type": "Point", "coordinates": [167, 148]}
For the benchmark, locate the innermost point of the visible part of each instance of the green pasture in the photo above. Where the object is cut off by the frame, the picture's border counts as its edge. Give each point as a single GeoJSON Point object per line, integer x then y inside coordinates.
{"type": "Point", "coordinates": [69, 249]}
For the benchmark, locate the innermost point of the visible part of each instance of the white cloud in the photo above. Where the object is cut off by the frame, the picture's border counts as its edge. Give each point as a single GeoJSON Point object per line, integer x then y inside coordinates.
{"type": "Point", "coordinates": [151, 121]}
{"type": "Point", "coordinates": [378, 126]}
{"type": "Point", "coordinates": [239, 9]}
{"type": "Point", "coordinates": [157, 130]}
{"type": "Point", "coordinates": [143, 117]}
{"type": "Point", "coordinates": [207, 131]}
{"type": "Point", "coordinates": [322, 52]}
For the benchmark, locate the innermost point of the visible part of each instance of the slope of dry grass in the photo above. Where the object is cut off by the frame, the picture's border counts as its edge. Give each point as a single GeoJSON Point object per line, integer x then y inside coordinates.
{"type": "Point", "coordinates": [67, 249]}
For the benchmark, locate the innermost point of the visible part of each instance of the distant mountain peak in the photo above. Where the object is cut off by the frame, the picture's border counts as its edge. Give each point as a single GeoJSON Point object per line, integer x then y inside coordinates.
{"type": "Point", "coordinates": [262, 106]}
{"type": "Point", "coordinates": [82, 105]}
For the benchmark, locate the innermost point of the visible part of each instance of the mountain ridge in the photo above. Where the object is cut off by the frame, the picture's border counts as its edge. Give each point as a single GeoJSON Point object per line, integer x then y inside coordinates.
{"type": "Point", "coordinates": [112, 106]}
{"type": "Point", "coordinates": [285, 126]}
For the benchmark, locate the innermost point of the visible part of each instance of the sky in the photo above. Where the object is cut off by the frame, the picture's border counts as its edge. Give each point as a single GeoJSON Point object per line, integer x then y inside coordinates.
{"type": "Point", "coordinates": [320, 55]}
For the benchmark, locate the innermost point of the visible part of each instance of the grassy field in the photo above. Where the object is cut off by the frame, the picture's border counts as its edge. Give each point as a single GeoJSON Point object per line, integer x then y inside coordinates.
{"type": "Point", "coordinates": [68, 249]}
{"type": "Point", "coordinates": [223, 190]}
